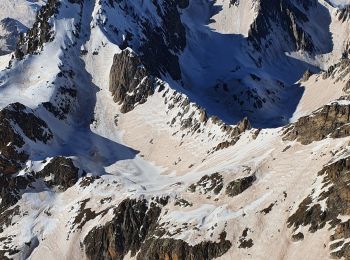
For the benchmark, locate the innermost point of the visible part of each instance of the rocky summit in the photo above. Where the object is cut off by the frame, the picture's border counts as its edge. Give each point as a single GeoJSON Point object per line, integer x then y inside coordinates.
{"type": "Point", "coordinates": [174, 129]}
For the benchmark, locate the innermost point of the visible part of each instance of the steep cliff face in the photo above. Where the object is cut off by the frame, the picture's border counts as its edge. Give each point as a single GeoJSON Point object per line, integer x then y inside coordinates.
{"type": "Point", "coordinates": [132, 222]}
{"type": "Point", "coordinates": [19, 125]}
{"type": "Point", "coordinates": [135, 230]}
{"type": "Point", "coordinates": [177, 249]}
{"type": "Point", "coordinates": [329, 121]}
{"type": "Point", "coordinates": [180, 38]}
{"type": "Point", "coordinates": [153, 30]}
{"type": "Point", "coordinates": [32, 41]}
{"type": "Point", "coordinates": [290, 27]}
{"type": "Point", "coordinates": [129, 81]}
{"type": "Point", "coordinates": [290, 17]}
{"type": "Point", "coordinates": [344, 14]}
{"type": "Point", "coordinates": [60, 172]}
{"type": "Point", "coordinates": [11, 188]}
{"type": "Point", "coordinates": [166, 40]}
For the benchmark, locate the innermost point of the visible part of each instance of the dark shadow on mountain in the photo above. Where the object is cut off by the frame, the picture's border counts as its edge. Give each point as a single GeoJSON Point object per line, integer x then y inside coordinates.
{"type": "Point", "coordinates": [73, 136]}
{"type": "Point", "coordinates": [230, 65]}
{"type": "Point", "coordinates": [11, 30]}
{"type": "Point", "coordinates": [216, 59]}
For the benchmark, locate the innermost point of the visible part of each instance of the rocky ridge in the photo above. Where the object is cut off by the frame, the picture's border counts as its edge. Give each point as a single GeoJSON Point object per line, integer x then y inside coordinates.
{"type": "Point", "coordinates": [325, 208]}
{"type": "Point", "coordinates": [329, 121]}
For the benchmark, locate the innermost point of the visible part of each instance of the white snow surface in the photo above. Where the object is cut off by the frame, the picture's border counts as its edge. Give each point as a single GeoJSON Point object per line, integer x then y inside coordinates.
{"type": "Point", "coordinates": [23, 11]}
{"type": "Point", "coordinates": [340, 3]}
{"type": "Point", "coordinates": [143, 156]}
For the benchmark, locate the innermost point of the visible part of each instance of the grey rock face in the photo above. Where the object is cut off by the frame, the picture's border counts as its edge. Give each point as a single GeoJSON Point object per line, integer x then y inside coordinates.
{"type": "Point", "coordinates": [11, 188]}
{"type": "Point", "coordinates": [172, 249]}
{"type": "Point", "coordinates": [157, 44]}
{"type": "Point", "coordinates": [133, 221]}
{"type": "Point", "coordinates": [133, 229]}
{"type": "Point", "coordinates": [62, 173]}
{"type": "Point", "coordinates": [236, 187]}
{"type": "Point", "coordinates": [162, 44]}
{"type": "Point", "coordinates": [40, 33]}
{"type": "Point", "coordinates": [208, 183]}
{"type": "Point", "coordinates": [129, 81]}
{"type": "Point", "coordinates": [234, 133]}
{"type": "Point", "coordinates": [330, 120]}
{"type": "Point", "coordinates": [288, 16]}
{"type": "Point", "coordinates": [340, 70]}
{"type": "Point", "coordinates": [11, 140]}
{"type": "Point", "coordinates": [344, 14]}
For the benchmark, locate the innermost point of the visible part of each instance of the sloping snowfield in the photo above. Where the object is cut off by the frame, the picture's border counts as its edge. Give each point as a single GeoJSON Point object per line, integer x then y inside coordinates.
{"type": "Point", "coordinates": [142, 155]}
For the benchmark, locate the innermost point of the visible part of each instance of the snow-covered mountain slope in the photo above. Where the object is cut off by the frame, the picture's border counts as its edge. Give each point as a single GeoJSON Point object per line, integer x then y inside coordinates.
{"type": "Point", "coordinates": [186, 129]}
{"type": "Point", "coordinates": [15, 17]}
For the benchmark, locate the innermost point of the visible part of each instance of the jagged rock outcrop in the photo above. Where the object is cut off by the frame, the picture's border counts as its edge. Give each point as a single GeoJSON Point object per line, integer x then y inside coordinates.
{"type": "Point", "coordinates": [32, 126]}
{"type": "Point", "coordinates": [289, 18]}
{"type": "Point", "coordinates": [297, 237]}
{"type": "Point", "coordinates": [190, 119]}
{"type": "Point", "coordinates": [157, 40]}
{"type": "Point", "coordinates": [208, 183]}
{"type": "Point", "coordinates": [234, 2]}
{"type": "Point", "coordinates": [338, 71]}
{"type": "Point", "coordinates": [6, 216]}
{"type": "Point", "coordinates": [33, 41]}
{"type": "Point", "coordinates": [306, 76]}
{"type": "Point", "coordinates": [165, 41]}
{"type": "Point", "coordinates": [236, 187]}
{"type": "Point", "coordinates": [242, 126]}
{"type": "Point", "coordinates": [172, 249]}
{"type": "Point", "coordinates": [344, 14]}
{"type": "Point", "coordinates": [133, 220]}
{"type": "Point", "coordinates": [329, 121]}
{"type": "Point", "coordinates": [133, 229]}
{"type": "Point", "coordinates": [11, 188]}
{"type": "Point", "coordinates": [327, 206]}
{"type": "Point", "coordinates": [244, 241]}
{"type": "Point", "coordinates": [12, 139]}
{"type": "Point", "coordinates": [129, 81]}
{"type": "Point", "coordinates": [234, 133]}
{"type": "Point", "coordinates": [60, 172]}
